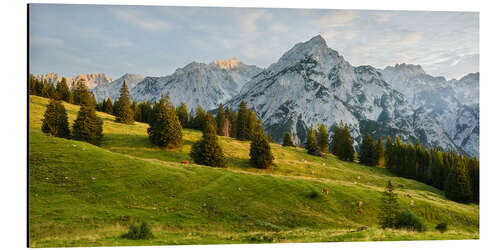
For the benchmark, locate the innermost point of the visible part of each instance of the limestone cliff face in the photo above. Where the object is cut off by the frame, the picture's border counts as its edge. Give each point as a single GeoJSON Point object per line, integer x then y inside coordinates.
{"type": "Point", "coordinates": [227, 64]}
{"type": "Point", "coordinates": [91, 80]}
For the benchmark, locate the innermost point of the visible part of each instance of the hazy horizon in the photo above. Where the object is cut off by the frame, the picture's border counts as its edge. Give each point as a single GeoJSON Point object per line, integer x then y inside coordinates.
{"type": "Point", "coordinates": [156, 40]}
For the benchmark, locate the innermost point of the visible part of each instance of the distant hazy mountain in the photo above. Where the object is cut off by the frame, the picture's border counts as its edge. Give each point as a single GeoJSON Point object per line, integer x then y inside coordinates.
{"type": "Point", "coordinates": [91, 80]}
{"type": "Point", "coordinates": [112, 89]}
{"type": "Point", "coordinates": [454, 103]}
{"type": "Point", "coordinates": [198, 83]}
{"type": "Point", "coordinates": [312, 83]}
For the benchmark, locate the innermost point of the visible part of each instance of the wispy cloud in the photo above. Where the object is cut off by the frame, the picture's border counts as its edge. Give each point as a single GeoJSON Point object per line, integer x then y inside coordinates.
{"type": "Point", "coordinates": [140, 19]}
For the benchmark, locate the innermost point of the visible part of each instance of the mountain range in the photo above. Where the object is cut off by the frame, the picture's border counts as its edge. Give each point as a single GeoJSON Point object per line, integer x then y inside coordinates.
{"type": "Point", "coordinates": [313, 83]}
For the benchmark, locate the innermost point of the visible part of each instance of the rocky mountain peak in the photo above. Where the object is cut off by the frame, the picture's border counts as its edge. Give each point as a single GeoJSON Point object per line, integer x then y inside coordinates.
{"type": "Point", "coordinates": [408, 69]}
{"type": "Point", "coordinates": [227, 64]}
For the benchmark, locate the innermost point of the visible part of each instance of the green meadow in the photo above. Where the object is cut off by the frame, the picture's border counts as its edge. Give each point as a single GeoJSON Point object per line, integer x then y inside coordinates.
{"type": "Point", "coordinates": [85, 195]}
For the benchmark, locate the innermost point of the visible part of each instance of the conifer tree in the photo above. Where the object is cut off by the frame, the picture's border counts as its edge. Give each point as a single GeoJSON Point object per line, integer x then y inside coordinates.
{"type": "Point", "coordinates": [367, 152]}
{"type": "Point", "coordinates": [165, 130]}
{"type": "Point", "coordinates": [252, 124]}
{"type": "Point", "coordinates": [125, 114]}
{"type": "Point", "coordinates": [62, 91]}
{"type": "Point", "coordinates": [55, 120]}
{"type": "Point", "coordinates": [243, 128]}
{"type": "Point", "coordinates": [287, 140]}
{"type": "Point", "coordinates": [388, 153]}
{"type": "Point", "coordinates": [234, 125]}
{"type": "Point", "coordinates": [221, 121]}
{"type": "Point", "coordinates": [311, 146]}
{"type": "Point", "coordinates": [346, 149]}
{"type": "Point", "coordinates": [322, 138]}
{"type": "Point", "coordinates": [474, 178]}
{"type": "Point", "coordinates": [81, 93]}
{"type": "Point", "coordinates": [51, 92]}
{"type": "Point", "coordinates": [199, 119]}
{"type": "Point", "coordinates": [228, 113]}
{"type": "Point", "coordinates": [183, 115]}
{"type": "Point", "coordinates": [389, 208]}
{"type": "Point", "coordinates": [108, 106]}
{"type": "Point", "coordinates": [379, 150]}
{"type": "Point", "coordinates": [87, 126]}
{"type": "Point", "coordinates": [337, 139]}
{"type": "Point", "coordinates": [260, 150]}
{"type": "Point", "coordinates": [457, 186]}
{"type": "Point", "coordinates": [207, 151]}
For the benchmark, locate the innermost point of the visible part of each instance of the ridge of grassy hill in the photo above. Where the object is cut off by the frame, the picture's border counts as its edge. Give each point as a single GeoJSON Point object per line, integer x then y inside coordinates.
{"type": "Point", "coordinates": [84, 195]}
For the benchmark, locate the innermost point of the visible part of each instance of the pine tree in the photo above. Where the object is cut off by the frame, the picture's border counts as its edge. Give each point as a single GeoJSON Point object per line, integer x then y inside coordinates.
{"type": "Point", "coordinates": [55, 120]}
{"type": "Point", "coordinates": [108, 106]}
{"type": "Point", "coordinates": [389, 208]}
{"type": "Point", "coordinates": [287, 141]}
{"type": "Point", "coordinates": [379, 150]}
{"type": "Point", "coordinates": [125, 114]}
{"type": "Point", "coordinates": [322, 138]}
{"type": "Point", "coordinates": [87, 126]}
{"type": "Point", "coordinates": [182, 113]}
{"type": "Point", "coordinates": [62, 91]}
{"type": "Point", "coordinates": [311, 146]}
{"type": "Point", "coordinates": [243, 128]}
{"type": "Point", "coordinates": [221, 121]}
{"type": "Point", "coordinates": [207, 151]}
{"type": "Point", "coordinates": [367, 152]}
{"type": "Point", "coordinates": [165, 130]}
{"type": "Point", "coordinates": [260, 150]}
{"type": "Point", "coordinates": [457, 186]}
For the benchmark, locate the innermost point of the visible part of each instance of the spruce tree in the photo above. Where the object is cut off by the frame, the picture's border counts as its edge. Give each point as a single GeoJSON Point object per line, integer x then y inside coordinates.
{"type": "Point", "coordinates": [243, 128]}
{"type": "Point", "coordinates": [62, 91]}
{"type": "Point", "coordinates": [388, 153]}
{"type": "Point", "coordinates": [389, 208]}
{"type": "Point", "coordinates": [457, 186]}
{"type": "Point", "coordinates": [87, 126]}
{"type": "Point", "coordinates": [108, 106]}
{"type": "Point", "coordinates": [346, 150]}
{"type": "Point", "coordinates": [199, 119]}
{"type": "Point", "coordinates": [367, 152]}
{"type": "Point", "coordinates": [165, 130]}
{"type": "Point", "coordinates": [207, 151]}
{"type": "Point", "coordinates": [379, 151]}
{"type": "Point", "coordinates": [337, 139]}
{"type": "Point", "coordinates": [55, 120]}
{"type": "Point", "coordinates": [323, 138]}
{"type": "Point", "coordinates": [81, 93]}
{"type": "Point", "coordinates": [221, 121]}
{"type": "Point", "coordinates": [311, 146]}
{"type": "Point", "coordinates": [125, 114]}
{"type": "Point", "coordinates": [183, 115]}
{"type": "Point", "coordinates": [260, 150]}
{"type": "Point", "coordinates": [287, 140]}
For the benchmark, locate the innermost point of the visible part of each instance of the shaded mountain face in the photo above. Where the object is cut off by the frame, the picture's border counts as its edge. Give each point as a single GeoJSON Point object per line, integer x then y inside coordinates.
{"type": "Point", "coordinates": [91, 80]}
{"type": "Point", "coordinates": [112, 89]}
{"type": "Point", "coordinates": [454, 103]}
{"type": "Point", "coordinates": [312, 83]}
{"type": "Point", "coordinates": [198, 83]}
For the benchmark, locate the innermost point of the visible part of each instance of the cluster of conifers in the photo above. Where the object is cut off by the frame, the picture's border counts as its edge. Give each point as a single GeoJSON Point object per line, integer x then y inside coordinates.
{"type": "Point", "coordinates": [165, 122]}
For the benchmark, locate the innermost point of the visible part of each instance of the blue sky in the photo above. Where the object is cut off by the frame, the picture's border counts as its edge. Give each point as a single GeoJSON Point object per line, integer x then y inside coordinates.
{"type": "Point", "coordinates": [156, 40]}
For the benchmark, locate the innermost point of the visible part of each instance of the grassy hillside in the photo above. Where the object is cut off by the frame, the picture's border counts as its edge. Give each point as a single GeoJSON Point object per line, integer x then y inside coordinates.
{"type": "Point", "coordinates": [83, 195]}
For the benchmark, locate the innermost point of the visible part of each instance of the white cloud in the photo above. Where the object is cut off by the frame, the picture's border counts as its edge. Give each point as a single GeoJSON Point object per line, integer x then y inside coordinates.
{"type": "Point", "coordinates": [140, 19]}
{"type": "Point", "coordinates": [36, 40]}
{"type": "Point", "coordinates": [336, 19]}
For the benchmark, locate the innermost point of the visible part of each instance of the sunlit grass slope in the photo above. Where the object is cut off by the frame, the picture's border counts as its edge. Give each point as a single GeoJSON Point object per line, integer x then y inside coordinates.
{"type": "Point", "coordinates": [84, 195]}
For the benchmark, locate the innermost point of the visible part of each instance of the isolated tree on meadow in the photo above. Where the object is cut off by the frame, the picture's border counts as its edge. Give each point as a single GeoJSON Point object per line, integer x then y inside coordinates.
{"type": "Point", "coordinates": [389, 208]}
{"type": "Point", "coordinates": [207, 151]}
{"type": "Point", "coordinates": [287, 140]}
{"type": "Point", "coordinates": [165, 130]}
{"type": "Point", "coordinates": [260, 149]}
{"type": "Point", "coordinates": [55, 120]}
{"type": "Point", "coordinates": [87, 126]}
{"type": "Point", "coordinates": [125, 114]}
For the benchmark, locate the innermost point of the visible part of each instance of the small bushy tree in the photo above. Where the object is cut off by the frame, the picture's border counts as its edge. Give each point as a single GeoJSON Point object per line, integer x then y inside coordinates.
{"type": "Point", "coordinates": [55, 120]}
{"type": "Point", "coordinates": [260, 150]}
{"type": "Point", "coordinates": [389, 208]}
{"type": "Point", "coordinates": [207, 151]}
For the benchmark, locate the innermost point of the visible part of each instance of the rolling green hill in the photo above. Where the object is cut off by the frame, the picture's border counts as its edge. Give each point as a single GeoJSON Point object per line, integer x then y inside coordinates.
{"type": "Point", "coordinates": [84, 195]}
